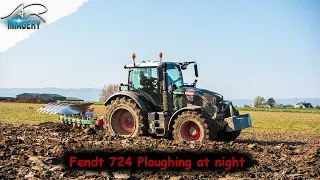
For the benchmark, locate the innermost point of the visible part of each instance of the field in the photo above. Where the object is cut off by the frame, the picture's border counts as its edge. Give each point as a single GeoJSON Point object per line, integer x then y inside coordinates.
{"type": "Point", "coordinates": [263, 121]}
{"type": "Point", "coordinates": [284, 143]}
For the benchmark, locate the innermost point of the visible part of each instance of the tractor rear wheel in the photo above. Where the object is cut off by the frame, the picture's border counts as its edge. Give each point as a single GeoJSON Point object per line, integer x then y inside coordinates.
{"type": "Point", "coordinates": [194, 126]}
{"type": "Point", "coordinates": [123, 117]}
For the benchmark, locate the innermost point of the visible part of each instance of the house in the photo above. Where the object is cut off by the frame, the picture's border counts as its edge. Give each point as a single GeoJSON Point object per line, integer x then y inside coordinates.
{"type": "Point", "coordinates": [303, 105]}
{"type": "Point", "coordinates": [6, 98]}
{"type": "Point", "coordinates": [28, 95]}
{"type": "Point", "coordinates": [42, 96]}
{"type": "Point", "coordinates": [73, 99]}
{"type": "Point", "coordinates": [55, 97]}
{"type": "Point", "coordinates": [279, 106]}
{"type": "Point", "coordinates": [262, 106]}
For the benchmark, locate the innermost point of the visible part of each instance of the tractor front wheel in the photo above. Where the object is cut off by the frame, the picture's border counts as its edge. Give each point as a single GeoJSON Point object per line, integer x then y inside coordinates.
{"type": "Point", "coordinates": [194, 126]}
{"type": "Point", "coordinates": [123, 117]}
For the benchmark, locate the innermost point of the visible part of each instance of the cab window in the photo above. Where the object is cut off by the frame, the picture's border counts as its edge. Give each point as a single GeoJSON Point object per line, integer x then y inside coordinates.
{"type": "Point", "coordinates": [146, 80]}
{"type": "Point", "coordinates": [143, 77]}
{"type": "Point", "coordinates": [174, 75]}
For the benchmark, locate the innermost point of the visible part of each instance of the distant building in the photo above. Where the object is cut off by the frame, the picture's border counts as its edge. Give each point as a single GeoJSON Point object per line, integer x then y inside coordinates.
{"type": "Point", "coordinates": [5, 98]}
{"type": "Point", "coordinates": [42, 96]}
{"type": "Point", "coordinates": [73, 99]}
{"type": "Point", "coordinates": [55, 97]}
{"type": "Point", "coordinates": [28, 95]}
{"type": "Point", "coordinates": [262, 106]}
{"type": "Point", "coordinates": [303, 105]}
{"type": "Point", "coordinates": [279, 106]}
{"type": "Point", "coordinates": [267, 106]}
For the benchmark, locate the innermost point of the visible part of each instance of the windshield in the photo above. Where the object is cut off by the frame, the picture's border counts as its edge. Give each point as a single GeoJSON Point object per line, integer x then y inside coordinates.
{"type": "Point", "coordinates": [147, 77]}
{"type": "Point", "coordinates": [174, 75]}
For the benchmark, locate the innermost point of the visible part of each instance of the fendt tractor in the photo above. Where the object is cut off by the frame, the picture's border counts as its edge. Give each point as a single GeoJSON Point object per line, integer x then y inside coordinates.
{"type": "Point", "coordinates": [157, 101]}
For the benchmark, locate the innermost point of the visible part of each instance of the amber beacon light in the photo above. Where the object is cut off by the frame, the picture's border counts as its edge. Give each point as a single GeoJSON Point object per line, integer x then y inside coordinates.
{"type": "Point", "coordinates": [160, 55]}
{"type": "Point", "coordinates": [134, 57]}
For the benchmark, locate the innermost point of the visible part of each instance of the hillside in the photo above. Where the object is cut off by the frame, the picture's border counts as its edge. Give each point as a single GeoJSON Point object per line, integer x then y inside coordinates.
{"type": "Point", "coordinates": [87, 94]}
{"type": "Point", "coordinates": [92, 94]}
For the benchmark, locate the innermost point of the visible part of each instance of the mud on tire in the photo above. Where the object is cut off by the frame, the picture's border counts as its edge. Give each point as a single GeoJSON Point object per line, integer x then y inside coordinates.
{"type": "Point", "coordinates": [194, 126]}
{"type": "Point", "coordinates": [123, 117]}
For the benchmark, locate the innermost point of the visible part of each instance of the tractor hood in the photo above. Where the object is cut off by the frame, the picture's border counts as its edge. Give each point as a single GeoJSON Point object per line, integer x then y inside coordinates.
{"type": "Point", "coordinates": [185, 90]}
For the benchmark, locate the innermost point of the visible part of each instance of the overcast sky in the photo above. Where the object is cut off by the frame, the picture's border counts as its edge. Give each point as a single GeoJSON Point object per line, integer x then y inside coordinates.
{"type": "Point", "coordinates": [243, 48]}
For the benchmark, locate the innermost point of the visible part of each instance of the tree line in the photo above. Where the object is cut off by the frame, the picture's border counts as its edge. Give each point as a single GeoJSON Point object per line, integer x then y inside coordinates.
{"type": "Point", "coordinates": [260, 101]}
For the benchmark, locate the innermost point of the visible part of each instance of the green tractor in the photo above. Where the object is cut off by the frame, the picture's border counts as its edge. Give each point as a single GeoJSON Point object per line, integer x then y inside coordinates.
{"type": "Point", "coordinates": [156, 101]}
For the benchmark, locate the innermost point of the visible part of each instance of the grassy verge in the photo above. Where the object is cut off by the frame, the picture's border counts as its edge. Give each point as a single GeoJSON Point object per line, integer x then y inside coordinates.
{"type": "Point", "coordinates": [281, 110]}
{"type": "Point", "coordinates": [263, 121]}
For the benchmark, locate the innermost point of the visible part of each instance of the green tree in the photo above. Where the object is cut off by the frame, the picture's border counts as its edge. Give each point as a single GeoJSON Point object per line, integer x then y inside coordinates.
{"type": "Point", "coordinates": [271, 102]}
{"type": "Point", "coordinates": [258, 101]}
{"type": "Point", "coordinates": [317, 107]}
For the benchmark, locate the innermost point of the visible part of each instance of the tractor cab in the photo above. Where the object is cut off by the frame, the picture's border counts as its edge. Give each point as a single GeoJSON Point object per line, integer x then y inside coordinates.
{"type": "Point", "coordinates": [147, 77]}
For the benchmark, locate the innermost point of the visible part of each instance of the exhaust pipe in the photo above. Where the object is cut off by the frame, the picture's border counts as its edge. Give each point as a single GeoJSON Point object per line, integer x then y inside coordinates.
{"type": "Point", "coordinates": [165, 89]}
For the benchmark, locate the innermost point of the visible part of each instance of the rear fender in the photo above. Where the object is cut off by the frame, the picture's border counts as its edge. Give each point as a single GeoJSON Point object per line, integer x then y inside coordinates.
{"type": "Point", "coordinates": [129, 94]}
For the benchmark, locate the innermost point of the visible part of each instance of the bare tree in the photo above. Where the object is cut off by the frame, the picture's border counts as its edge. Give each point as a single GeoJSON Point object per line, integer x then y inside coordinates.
{"type": "Point", "coordinates": [107, 91]}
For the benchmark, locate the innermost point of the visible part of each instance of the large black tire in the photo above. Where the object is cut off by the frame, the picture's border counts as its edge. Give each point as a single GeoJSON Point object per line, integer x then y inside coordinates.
{"type": "Point", "coordinates": [194, 126]}
{"type": "Point", "coordinates": [123, 117]}
{"type": "Point", "coordinates": [229, 136]}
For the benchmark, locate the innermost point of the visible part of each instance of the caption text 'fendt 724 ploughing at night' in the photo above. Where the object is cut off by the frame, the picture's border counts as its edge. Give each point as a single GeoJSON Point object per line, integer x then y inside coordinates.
{"type": "Point", "coordinates": [157, 101]}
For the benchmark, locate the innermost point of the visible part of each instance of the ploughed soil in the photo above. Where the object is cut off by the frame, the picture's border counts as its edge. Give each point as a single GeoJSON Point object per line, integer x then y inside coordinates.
{"type": "Point", "coordinates": [35, 151]}
{"type": "Point", "coordinates": [28, 100]}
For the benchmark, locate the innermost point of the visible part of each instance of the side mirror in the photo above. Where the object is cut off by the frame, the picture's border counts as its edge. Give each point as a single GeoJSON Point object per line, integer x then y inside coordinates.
{"type": "Point", "coordinates": [124, 88]}
{"type": "Point", "coordinates": [160, 74]}
{"type": "Point", "coordinates": [196, 70]}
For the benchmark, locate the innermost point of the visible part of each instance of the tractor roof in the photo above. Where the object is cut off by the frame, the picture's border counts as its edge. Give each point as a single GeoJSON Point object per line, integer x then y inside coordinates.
{"type": "Point", "coordinates": [147, 64]}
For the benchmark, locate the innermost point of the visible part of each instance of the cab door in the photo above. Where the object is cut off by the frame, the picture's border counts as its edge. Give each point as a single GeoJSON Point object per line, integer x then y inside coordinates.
{"type": "Point", "coordinates": [146, 80]}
